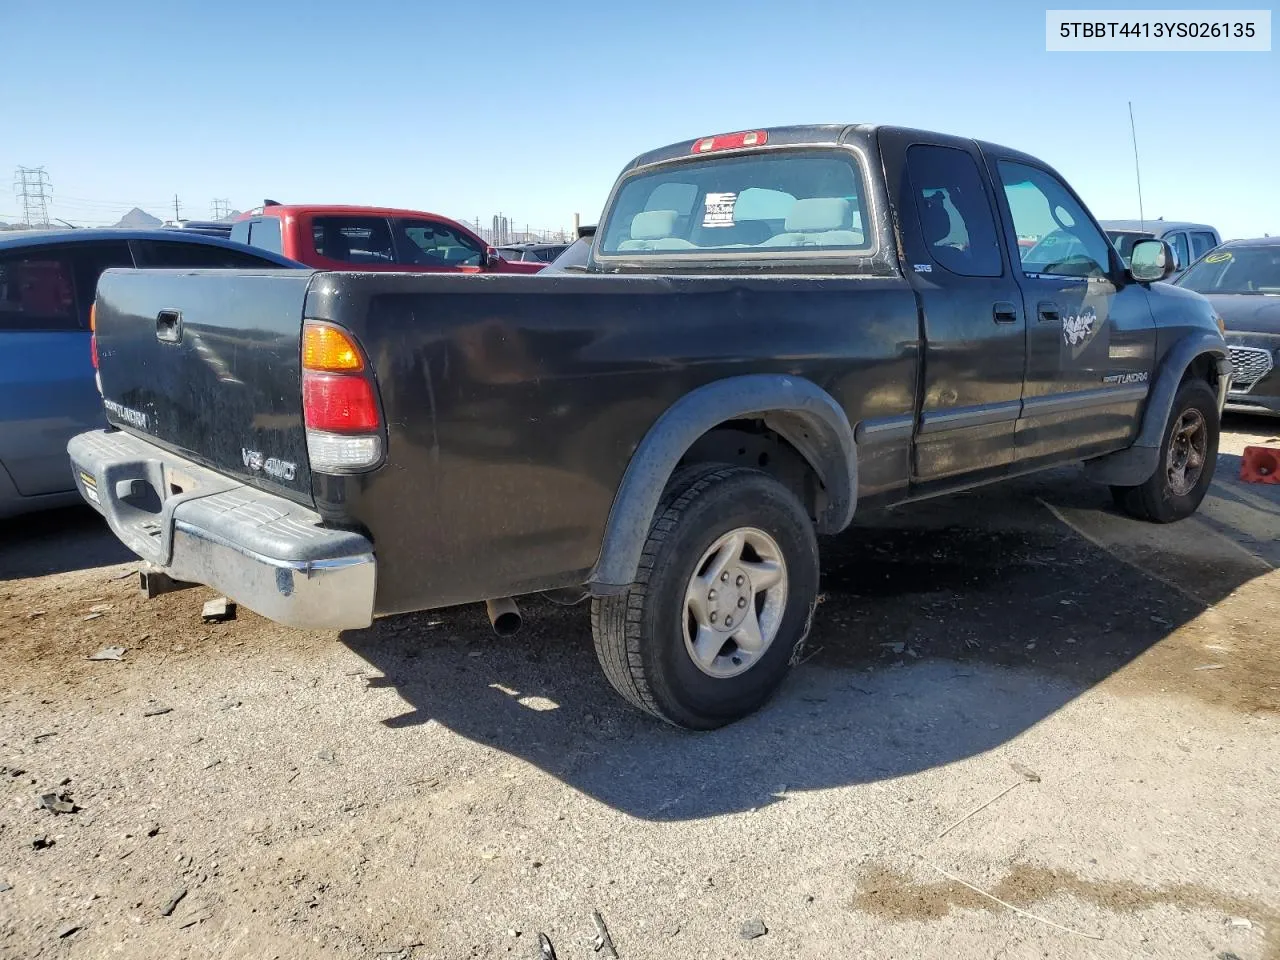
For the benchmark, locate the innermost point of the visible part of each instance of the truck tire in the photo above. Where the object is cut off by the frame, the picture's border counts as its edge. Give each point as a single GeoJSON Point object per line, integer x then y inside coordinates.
{"type": "Point", "coordinates": [721, 603]}
{"type": "Point", "coordinates": [1188, 455]}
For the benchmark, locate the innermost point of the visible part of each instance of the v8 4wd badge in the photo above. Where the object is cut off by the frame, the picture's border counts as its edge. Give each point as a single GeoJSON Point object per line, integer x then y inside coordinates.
{"type": "Point", "coordinates": [271, 466]}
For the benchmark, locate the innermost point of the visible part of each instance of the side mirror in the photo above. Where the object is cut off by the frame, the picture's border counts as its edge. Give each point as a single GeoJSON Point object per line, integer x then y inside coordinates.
{"type": "Point", "coordinates": [491, 257]}
{"type": "Point", "coordinates": [1151, 260]}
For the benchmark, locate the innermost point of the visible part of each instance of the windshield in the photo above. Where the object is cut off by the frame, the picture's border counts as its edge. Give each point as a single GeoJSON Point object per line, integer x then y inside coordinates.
{"type": "Point", "coordinates": [766, 203]}
{"type": "Point", "coordinates": [1123, 241]}
{"type": "Point", "coordinates": [575, 256]}
{"type": "Point", "coordinates": [1236, 270]}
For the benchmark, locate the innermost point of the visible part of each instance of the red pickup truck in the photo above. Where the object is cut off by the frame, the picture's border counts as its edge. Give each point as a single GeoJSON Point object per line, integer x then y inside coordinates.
{"type": "Point", "coordinates": [372, 238]}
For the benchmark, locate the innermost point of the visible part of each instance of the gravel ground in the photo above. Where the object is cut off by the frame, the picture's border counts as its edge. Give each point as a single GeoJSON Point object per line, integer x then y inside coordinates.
{"type": "Point", "coordinates": [424, 789]}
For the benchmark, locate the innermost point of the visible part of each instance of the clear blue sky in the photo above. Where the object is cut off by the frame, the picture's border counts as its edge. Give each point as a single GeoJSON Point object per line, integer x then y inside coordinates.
{"type": "Point", "coordinates": [532, 107]}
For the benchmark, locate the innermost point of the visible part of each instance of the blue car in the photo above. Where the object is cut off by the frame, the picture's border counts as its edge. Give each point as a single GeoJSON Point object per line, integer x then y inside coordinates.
{"type": "Point", "coordinates": [47, 390]}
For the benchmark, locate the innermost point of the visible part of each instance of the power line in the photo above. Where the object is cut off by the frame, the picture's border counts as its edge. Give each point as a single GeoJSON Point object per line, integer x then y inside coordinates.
{"type": "Point", "coordinates": [34, 189]}
{"type": "Point", "coordinates": [221, 209]}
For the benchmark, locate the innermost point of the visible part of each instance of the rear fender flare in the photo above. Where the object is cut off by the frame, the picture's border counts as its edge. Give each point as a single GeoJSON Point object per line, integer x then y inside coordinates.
{"type": "Point", "coordinates": [1135, 465]}
{"type": "Point", "coordinates": [797, 409]}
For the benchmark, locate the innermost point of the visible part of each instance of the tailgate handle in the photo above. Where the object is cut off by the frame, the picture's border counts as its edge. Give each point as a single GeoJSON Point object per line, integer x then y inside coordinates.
{"type": "Point", "coordinates": [169, 326]}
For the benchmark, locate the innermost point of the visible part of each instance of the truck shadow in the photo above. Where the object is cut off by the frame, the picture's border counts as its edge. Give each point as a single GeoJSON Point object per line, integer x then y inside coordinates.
{"type": "Point", "coordinates": [58, 541]}
{"type": "Point", "coordinates": [945, 631]}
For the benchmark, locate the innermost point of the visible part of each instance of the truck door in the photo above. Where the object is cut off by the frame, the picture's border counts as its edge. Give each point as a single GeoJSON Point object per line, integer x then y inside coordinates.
{"type": "Point", "coordinates": [974, 328]}
{"type": "Point", "coordinates": [1090, 335]}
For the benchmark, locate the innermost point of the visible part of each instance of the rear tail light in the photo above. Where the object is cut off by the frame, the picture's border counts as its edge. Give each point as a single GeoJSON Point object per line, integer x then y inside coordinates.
{"type": "Point", "coordinates": [339, 402]}
{"type": "Point", "coordinates": [93, 345]}
{"type": "Point", "coordinates": [93, 333]}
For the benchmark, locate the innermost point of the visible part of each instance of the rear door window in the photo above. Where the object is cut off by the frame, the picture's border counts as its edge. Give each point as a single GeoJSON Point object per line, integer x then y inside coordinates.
{"type": "Point", "coordinates": [353, 239]}
{"type": "Point", "coordinates": [1179, 243]}
{"type": "Point", "coordinates": [172, 253]}
{"type": "Point", "coordinates": [1201, 243]}
{"type": "Point", "coordinates": [37, 291]}
{"type": "Point", "coordinates": [953, 211]}
{"type": "Point", "coordinates": [778, 204]}
{"type": "Point", "coordinates": [434, 244]}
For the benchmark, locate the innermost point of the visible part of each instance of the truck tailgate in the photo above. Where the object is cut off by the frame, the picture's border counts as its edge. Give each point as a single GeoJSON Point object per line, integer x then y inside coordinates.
{"type": "Point", "coordinates": [207, 364]}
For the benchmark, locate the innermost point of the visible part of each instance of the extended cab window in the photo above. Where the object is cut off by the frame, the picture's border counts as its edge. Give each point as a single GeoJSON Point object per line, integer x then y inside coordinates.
{"type": "Point", "coordinates": [956, 222]}
{"type": "Point", "coordinates": [775, 204]}
{"type": "Point", "coordinates": [37, 292]}
{"type": "Point", "coordinates": [353, 239]}
{"type": "Point", "coordinates": [1064, 242]}
{"type": "Point", "coordinates": [429, 243]}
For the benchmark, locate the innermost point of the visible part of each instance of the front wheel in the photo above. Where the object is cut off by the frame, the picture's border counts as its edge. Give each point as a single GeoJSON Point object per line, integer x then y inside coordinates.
{"type": "Point", "coordinates": [1188, 455]}
{"type": "Point", "coordinates": [721, 603]}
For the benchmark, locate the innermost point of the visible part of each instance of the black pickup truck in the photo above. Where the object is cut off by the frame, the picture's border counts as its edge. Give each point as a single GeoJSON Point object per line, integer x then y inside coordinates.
{"type": "Point", "coordinates": [773, 329]}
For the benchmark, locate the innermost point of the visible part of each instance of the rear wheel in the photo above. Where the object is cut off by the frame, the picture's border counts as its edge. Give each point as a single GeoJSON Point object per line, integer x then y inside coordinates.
{"type": "Point", "coordinates": [1188, 455]}
{"type": "Point", "coordinates": [721, 603]}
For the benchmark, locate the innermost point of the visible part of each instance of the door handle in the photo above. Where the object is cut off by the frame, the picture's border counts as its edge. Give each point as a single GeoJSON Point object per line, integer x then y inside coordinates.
{"type": "Point", "coordinates": [1004, 312]}
{"type": "Point", "coordinates": [1047, 312]}
{"type": "Point", "coordinates": [169, 326]}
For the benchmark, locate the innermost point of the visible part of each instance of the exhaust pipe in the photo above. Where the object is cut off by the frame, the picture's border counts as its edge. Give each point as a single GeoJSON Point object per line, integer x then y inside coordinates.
{"type": "Point", "coordinates": [505, 616]}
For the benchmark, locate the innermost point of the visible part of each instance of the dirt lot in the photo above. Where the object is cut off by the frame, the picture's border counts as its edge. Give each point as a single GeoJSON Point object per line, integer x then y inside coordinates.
{"type": "Point", "coordinates": [423, 789]}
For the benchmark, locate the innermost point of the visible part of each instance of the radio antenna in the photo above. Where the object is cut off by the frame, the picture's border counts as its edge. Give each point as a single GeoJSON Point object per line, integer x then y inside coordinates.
{"type": "Point", "coordinates": [1136, 168]}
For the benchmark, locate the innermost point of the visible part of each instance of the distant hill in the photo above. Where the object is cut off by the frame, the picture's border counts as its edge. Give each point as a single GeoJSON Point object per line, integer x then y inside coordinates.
{"type": "Point", "coordinates": [137, 219]}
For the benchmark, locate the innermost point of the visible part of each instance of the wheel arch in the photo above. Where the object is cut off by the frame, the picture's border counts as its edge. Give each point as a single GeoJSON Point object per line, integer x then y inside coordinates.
{"type": "Point", "coordinates": [799, 411]}
{"type": "Point", "coordinates": [1196, 354]}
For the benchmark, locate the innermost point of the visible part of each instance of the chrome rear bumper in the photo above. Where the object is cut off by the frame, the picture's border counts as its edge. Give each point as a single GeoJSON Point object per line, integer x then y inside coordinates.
{"type": "Point", "coordinates": [270, 554]}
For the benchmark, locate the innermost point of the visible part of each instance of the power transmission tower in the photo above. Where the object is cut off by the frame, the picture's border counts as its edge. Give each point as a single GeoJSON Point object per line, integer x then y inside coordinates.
{"type": "Point", "coordinates": [221, 209]}
{"type": "Point", "coordinates": [33, 189]}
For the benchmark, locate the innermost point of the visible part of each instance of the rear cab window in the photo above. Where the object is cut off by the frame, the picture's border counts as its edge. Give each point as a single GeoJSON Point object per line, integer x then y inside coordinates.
{"type": "Point", "coordinates": [784, 204]}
